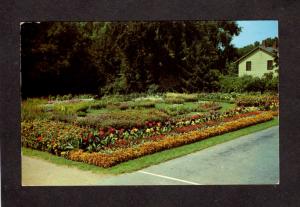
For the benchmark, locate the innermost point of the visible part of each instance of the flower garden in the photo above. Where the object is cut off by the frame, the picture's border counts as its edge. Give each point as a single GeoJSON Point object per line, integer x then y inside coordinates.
{"type": "Point", "coordinates": [115, 129]}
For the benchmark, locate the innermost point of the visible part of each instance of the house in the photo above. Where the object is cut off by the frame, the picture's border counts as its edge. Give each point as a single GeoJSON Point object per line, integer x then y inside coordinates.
{"type": "Point", "coordinates": [258, 61]}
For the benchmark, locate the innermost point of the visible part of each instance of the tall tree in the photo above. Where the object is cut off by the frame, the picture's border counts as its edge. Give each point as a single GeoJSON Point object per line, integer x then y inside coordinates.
{"type": "Point", "coordinates": [124, 57]}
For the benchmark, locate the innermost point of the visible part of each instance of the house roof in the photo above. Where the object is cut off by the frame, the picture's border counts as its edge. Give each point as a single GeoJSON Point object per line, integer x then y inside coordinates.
{"type": "Point", "coordinates": [270, 50]}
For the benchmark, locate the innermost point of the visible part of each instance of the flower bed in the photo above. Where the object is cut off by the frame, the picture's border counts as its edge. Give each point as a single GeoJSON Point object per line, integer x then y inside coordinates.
{"type": "Point", "coordinates": [56, 137]}
{"type": "Point", "coordinates": [51, 136]}
{"type": "Point", "coordinates": [116, 129]}
{"type": "Point", "coordinates": [122, 155]}
{"type": "Point", "coordinates": [264, 102]}
{"type": "Point", "coordinates": [194, 126]}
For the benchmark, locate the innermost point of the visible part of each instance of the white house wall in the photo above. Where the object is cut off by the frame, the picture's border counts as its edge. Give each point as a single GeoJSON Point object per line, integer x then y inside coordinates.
{"type": "Point", "coordinates": [259, 64]}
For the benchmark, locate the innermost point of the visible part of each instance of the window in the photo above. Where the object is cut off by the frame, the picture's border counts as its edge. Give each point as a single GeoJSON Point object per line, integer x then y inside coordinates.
{"type": "Point", "coordinates": [248, 65]}
{"type": "Point", "coordinates": [270, 65]}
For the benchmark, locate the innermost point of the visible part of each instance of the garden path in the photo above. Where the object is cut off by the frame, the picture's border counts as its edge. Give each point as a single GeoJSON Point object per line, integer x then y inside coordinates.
{"type": "Point", "coordinates": [38, 172]}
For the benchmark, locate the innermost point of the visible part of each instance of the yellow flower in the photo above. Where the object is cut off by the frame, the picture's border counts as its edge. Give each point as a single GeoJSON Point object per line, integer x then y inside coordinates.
{"type": "Point", "coordinates": [148, 130]}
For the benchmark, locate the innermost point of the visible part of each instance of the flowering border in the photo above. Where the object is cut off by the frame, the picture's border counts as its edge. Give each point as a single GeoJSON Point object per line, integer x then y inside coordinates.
{"type": "Point", "coordinates": [122, 155]}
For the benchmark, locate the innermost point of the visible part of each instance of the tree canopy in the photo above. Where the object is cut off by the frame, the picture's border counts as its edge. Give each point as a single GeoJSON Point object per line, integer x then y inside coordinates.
{"type": "Point", "coordinates": [268, 43]}
{"type": "Point", "coordinates": [124, 57]}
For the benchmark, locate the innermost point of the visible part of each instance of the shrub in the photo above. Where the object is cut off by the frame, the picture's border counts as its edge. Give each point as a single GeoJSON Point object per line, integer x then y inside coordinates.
{"type": "Point", "coordinates": [113, 106]}
{"type": "Point", "coordinates": [153, 98]}
{"type": "Point", "coordinates": [230, 84]}
{"type": "Point", "coordinates": [178, 109]}
{"type": "Point", "coordinates": [174, 100]}
{"type": "Point", "coordinates": [85, 96]}
{"type": "Point", "coordinates": [153, 88]}
{"type": "Point", "coordinates": [219, 97]}
{"type": "Point", "coordinates": [33, 109]}
{"type": "Point", "coordinates": [264, 102]}
{"type": "Point", "coordinates": [271, 82]}
{"type": "Point", "coordinates": [143, 104]}
{"type": "Point", "coordinates": [73, 108]}
{"type": "Point", "coordinates": [98, 105]}
{"type": "Point", "coordinates": [181, 96]}
{"type": "Point", "coordinates": [248, 83]}
{"type": "Point", "coordinates": [113, 99]}
{"type": "Point", "coordinates": [69, 97]}
{"type": "Point", "coordinates": [122, 119]}
{"type": "Point", "coordinates": [123, 106]}
{"type": "Point", "coordinates": [81, 114]}
{"type": "Point", "coordinates": [63, 117]}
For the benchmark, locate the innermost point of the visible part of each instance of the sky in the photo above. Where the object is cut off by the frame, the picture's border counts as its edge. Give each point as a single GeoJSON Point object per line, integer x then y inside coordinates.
{"type": "Point", "coordinates": [257, 30]}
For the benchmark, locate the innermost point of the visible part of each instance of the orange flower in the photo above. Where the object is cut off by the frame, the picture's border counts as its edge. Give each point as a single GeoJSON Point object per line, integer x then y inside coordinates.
{"type": "Point", "coordinates": [39, 139]}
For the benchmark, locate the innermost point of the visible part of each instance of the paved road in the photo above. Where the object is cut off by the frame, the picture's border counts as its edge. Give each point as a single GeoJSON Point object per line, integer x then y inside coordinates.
{"type": "Point", "coordinates": [251, 159]}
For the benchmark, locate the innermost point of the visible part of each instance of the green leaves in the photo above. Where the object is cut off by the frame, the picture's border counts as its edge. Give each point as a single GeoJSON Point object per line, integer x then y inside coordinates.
{"type": "Point", "coordinates": [124, 57]}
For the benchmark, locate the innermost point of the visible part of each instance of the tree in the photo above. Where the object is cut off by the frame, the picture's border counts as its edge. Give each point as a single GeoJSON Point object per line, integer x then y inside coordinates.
{"type": "Point", "coordinates": [269, 42]}
{"type": "Point", "coordinates": [56, 58]}
{"type": "Point", "coordinates": [246, 49]}
{"type": "Point", "coordinates": [125, 57]}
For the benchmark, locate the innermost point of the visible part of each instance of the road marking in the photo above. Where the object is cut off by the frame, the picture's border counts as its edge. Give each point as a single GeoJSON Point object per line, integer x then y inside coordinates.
{"type": "Point", "coordinates": [170, 178]}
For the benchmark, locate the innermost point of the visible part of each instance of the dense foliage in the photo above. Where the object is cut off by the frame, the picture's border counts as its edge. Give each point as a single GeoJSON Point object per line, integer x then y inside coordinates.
{"type": "Point", "coordinates": [268, 82]}
{"type": "Point", "coordinates": [268, 42]}
{"type": "Point", "coordinates": [124, 57]}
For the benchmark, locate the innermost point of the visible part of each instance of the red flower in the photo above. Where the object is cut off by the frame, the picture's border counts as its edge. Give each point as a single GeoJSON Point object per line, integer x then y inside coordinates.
{"type": "Point", "coordinates": [156, 137]}
{"type": "Point", "coordinates": [111, 130]}
{"type": "Point", "coordinates": [195, 117]}
{"type": "Point", "coordinates": [101, 133]}
{"type": "Point", "coordinates": [40, 138]}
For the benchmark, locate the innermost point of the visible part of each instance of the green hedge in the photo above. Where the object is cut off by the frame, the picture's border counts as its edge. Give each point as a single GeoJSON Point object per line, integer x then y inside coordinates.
{"type": "Point", "coordinates": [247, 83]}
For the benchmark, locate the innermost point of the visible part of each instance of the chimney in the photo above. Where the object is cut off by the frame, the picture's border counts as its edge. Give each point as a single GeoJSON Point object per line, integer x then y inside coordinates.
{"type": "Point", "coordinates": [275, 44]}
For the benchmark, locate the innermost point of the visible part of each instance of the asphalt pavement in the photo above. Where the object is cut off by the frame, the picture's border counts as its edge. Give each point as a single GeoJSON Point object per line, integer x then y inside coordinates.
{"type": "Point", "coordinates": [251, 159]}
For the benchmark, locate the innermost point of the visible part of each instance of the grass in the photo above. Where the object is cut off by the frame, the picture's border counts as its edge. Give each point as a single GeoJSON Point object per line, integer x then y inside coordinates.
{"type": "Point", "coordinates": [156, 158]}
{"type": "Point", "coordinates": [179, 109]}
{"type": "Point", "coordinates": [226, 106]}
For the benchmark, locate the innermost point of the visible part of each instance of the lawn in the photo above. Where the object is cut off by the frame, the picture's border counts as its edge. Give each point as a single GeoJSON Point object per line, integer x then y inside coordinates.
{"type": "Point", "coordinates": [120, 128]}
